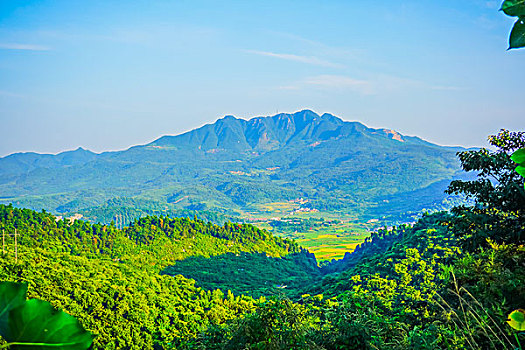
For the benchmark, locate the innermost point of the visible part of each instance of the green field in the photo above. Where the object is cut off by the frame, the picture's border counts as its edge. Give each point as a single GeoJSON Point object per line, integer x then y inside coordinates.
{"type": "Point", "coordinates": [327, 235]}
{"type": "Point", "coordinates": [332, 242]}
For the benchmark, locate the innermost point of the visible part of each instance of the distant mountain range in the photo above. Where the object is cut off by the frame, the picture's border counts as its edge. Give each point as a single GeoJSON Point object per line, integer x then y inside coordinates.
{"type": "Point", "coordinates": [234, 165]}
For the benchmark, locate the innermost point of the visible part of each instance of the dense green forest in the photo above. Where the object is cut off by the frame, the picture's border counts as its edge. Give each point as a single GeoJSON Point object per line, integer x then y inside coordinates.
{"type": "Point", "coordinates": [449, 281]}
{"type": "Point", "coordinates": [109, 278]}
{"type": "Point", "coordinates": [253, 274]}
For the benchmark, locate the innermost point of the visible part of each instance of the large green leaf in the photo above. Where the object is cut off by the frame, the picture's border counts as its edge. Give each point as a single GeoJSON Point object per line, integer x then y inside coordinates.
{"type": "Point", "coordinates": [517, 35]}
{"type": "Point", "coordinates": [519, 155]}
{"type": "Point", "coordinates": [517, 319]}
{"type": "Point", "coordinates": [514, 8]}
{"type": "Point", "coordinates": [11, 295]}
{"type": "Point", "coordinates": [37, 325]}
{"type": "Point", "coordinates": [521, 170]}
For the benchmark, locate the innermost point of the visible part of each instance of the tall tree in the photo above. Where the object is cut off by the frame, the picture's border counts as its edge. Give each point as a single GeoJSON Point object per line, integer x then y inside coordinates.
{"type": "Point", "coordinates": [498, 192]}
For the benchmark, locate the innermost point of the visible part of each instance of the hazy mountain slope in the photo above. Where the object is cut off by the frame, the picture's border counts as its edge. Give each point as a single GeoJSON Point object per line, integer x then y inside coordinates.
{"type": "Point", "coordinates": [233, 164]}
{"type": "Point", "coordinates": [20, 163]}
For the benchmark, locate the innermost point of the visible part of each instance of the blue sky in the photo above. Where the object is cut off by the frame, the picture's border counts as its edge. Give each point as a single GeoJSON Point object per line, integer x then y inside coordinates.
{"type": "Point", "coordinates": [106, 75]}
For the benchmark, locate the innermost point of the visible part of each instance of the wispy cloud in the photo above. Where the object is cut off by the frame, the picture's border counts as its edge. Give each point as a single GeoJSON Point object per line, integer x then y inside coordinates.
{"type": "Point", "coordinates": [337, 81]}
{"type": "Point", "coordinates": [25, 47]}
{"type": "Point", "coordinates": [297, 58]}
{"type": "Point", "coordinates": [446, 88]}
{"type": "Point", "coordinates": [320, 47]}
{"type": "Point", "coordinates": [10, 94]}
{"type": "Point", "coordinates": [332, 82]}
{"type": "Point", "coordinates": [382, 84]}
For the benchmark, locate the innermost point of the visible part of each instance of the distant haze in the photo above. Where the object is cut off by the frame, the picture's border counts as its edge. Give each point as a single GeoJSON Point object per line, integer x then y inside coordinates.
{"type": "Point", "coordinates": [108, 75]}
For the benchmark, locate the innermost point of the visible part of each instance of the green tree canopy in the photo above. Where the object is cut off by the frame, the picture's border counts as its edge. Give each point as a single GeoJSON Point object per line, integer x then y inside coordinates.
{"type": "Point", "coordinates": [498, 192]}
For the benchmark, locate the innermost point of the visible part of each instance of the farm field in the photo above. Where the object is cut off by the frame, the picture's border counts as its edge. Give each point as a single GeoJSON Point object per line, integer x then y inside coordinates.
{"type": "Point", "coordinates": [332, 242]}
{"type": "Point", "coordinates": [327, 235]}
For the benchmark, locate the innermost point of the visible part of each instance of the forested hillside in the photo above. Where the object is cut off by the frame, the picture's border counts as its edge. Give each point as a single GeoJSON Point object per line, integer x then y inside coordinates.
{"type": "Point", "coordinates": [109, 278]}
{"type": "Point", "coordinates": [253, 274]}
{"type": "Point", "coordinates": [170, 214]}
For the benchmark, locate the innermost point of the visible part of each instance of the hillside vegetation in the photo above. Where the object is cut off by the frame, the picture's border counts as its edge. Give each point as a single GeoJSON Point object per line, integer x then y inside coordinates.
{"type": "Point", "coordinates": [448, 282]}
{"type": "Point", "coordinates": [109, 278]}
{"type": "Point", "coordinates": [251, 274]}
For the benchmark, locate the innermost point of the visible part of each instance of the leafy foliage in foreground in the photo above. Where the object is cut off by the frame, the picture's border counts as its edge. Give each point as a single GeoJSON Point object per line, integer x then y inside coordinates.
{"type": "Point", "coordinates": [124, 307]}
{"type": "Point", "coordinates": [518, 157]}
{"type": "Point", "coordinates": [516, 8]}
{"type": "Point", "coordinates": [35, 324]}
{"type": "Point", "coordinates": [517, 319]}
{"type": "Point", "coordinates": [484, 287]}
{"type": "Point", "coordinates": [281, 324]}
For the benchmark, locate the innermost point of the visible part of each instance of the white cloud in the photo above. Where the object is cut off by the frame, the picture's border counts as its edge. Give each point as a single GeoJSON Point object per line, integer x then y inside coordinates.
{"type": "Point", "coordinates": [297, 58]}
{"type": "Point", "coordinates": [446, 88]}
{"type": "Point", "coordinates": [320, 47]}
{"type": "Point", "coordinates": [339, 82]}
{"type": "Point", "coordinates": [382, 84]}
{"type": "Point", "coordinates": [26, 47]}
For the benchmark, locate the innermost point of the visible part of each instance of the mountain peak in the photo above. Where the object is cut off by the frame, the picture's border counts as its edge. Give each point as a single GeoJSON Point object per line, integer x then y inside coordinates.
{"type": "Point", "coordinates": [262, 134]}
{"type": "Point", "coordinates": [78, 151]}
{"type": "Point", "coordinates": [307, 112]}
{"type": "Point", "coordinates": [228, 117]}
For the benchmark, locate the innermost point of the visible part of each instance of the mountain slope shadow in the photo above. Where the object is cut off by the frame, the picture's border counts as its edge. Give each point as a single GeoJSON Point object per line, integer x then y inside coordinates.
{"type": "Point", "coordinates": [250, 274]}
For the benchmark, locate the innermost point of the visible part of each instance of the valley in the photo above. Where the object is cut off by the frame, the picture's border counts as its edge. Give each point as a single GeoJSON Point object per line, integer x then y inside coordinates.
{"type": "Point", "coordinates": [308, 277]}
{"type": "Point", "coordinates": [286, 167]}
{"type": "Point", "coordinates": [326, 238]}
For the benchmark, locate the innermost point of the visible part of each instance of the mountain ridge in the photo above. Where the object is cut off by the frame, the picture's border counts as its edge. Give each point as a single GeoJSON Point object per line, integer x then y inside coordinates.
{"type": "Point", "coordinates": [258, 119]}
{"type": "Point", "coordinates": [237, 164]}
{"type": "Point", "coordinates": [282, 128]}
